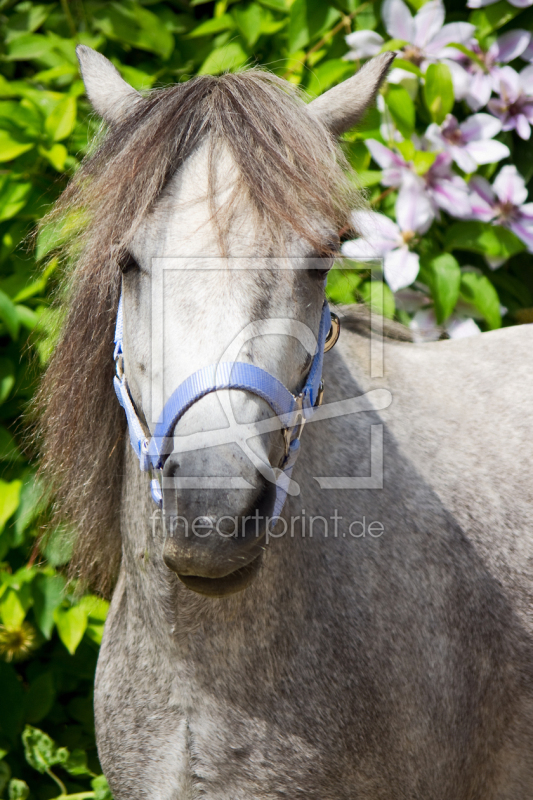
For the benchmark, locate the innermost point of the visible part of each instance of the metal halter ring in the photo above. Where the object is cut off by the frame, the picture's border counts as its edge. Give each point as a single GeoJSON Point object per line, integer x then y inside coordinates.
{"type": "Point", "coordinates": [334, 332]}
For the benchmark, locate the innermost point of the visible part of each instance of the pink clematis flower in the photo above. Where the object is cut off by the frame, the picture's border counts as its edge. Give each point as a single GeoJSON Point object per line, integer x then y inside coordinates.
{"type": "Point", "coordinates": [515, 3]}
{"type": "Point", "coordinates": [514, 106]}
{"type": "Point", "coordinates": [425, 34]}
{"type": "Point", "coordinates": [503, 203]}
{"type": "Point", "coordinates": [469, 143]}
{"type": "Point", "coordinates": [425, 328]}
{"type": "Point", "coordinates": [474, 81]}
{"type": "Point", "coordinates": [383, 238]}
{"type": "Point", "coordinates": [439, 188]}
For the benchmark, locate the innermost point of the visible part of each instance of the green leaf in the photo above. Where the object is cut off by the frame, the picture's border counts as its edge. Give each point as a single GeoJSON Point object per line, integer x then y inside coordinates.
{"type": "Point", "coordinates": [28, 47]}
{"type": "Point", "coordinates": [7, 378]}
{"type": "Point", "coordinates": [47, 596]}
{"type": "Point", "coordinates": [309, 19]}
{"type": "Point", "coordinates": [438, 91]}
{"type": "Point", "coordinates": [14, 606]}
{"type": "Point", "coordinates": [8, 315]}
{"type": "Point", "coordinates": [223, 23]}
{"type": "Point", "coordinates": [402, 109]}
{"type": "Point", "coordinates": [101, 788]}
{"type": "Point", "coordinates": [60, 123]}
{"type": "Point", "coordinates": [423, 161]}
{"type": "Point", "coordinates": [13, 145]}
{"type": "Point", "coordinates": [492, 17]}
{"type": "Point", "coordinates": [479, 291]}
{"type": "Point", "coordinates": [128, 22]}
{"type": "Point", "coordinates": [55, 155]}
{"type": "Point", "coordinates": [26, 20]}
{"type": "Point", "coordinates": [224, 59]}
{"type": "Point", "coordinates": [443, 276]}
{"type": "Point", "coordinates": [71, 625]}
{"type": "Point", "coordinates": [13, 196]}
{"type": "Point", "coordinates": [483, 238]}
{"type": "Point", "coordinates": [327, 74]}
{"type": "Point", "coordinates": [379, 297]}
{"type": "Point", "coordinates": [9, 500]}
{"type": "Point", "coordinates": [41, 752]}
{"type": "Point", "coordinates": [40, 698]}
{"type": "Point", "coordinates": [342, 285]}
{"type": "Point", "coordinates": [76, 764]}
{"type": "Point", "coordinates": [18, 790]}
{"type": "Point", "coordinates": [369, 177]}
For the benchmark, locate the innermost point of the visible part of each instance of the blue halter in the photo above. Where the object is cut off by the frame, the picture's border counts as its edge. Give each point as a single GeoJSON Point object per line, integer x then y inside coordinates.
{"type": "Point", "coordinates": [152, 451]}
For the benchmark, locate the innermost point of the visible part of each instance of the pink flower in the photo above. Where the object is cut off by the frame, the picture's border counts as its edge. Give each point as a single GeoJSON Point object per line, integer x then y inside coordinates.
{"type": "Point", "coordinates": [474, 81]}
{"type": "Point", "coordinates": [383, 238]}
{"type": "Point", "coordinates": [514, 107]}
{"type": "Point", "coordinates": [425, 328]}
{"type": "Point", "coordinates": [425, 34]}
{"type": "Point", "coordinates": [515, 3]}
{"type": "Point", "coordinates": [469, 143]}
{"type": "Point", "coordinates": [437, 188]}
{"type": "Point", "coordinates": [503, 203]}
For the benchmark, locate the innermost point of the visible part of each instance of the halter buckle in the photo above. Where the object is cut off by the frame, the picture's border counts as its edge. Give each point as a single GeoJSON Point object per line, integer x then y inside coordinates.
{"type": "Point", "coordinates": [333, 333]}
{"type": "Point", "coordinates": [293, 432]}
{"type": "Point", "coordinates": [119, 366]}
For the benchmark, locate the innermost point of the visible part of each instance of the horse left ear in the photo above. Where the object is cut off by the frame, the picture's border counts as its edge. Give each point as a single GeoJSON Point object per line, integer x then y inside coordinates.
{"type": "Point", "coordinates": [341, 107]}
{"type": "Point", "coordinates": [110, 95]}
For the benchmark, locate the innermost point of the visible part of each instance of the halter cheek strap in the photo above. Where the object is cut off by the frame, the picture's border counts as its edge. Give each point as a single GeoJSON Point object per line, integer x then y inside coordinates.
{"type": "Point", "coordinates": [292, 410]}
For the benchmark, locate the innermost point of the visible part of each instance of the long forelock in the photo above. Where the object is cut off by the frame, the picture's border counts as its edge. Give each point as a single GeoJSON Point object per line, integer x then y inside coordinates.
{"type": "Point", "coordinates": [290, 171]}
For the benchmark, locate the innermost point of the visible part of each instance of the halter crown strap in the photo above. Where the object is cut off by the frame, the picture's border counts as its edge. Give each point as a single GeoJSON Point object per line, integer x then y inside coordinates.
{"type": "Point", "coordinates": [152, 451]}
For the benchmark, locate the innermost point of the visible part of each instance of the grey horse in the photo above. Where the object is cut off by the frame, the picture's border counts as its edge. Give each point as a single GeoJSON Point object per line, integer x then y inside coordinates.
{"type": "Point", "coordinates": [377, 642]}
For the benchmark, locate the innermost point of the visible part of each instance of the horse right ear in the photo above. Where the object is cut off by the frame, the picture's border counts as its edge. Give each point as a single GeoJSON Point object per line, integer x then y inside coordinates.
{"type": "Point", "coordinates": [110, 95]}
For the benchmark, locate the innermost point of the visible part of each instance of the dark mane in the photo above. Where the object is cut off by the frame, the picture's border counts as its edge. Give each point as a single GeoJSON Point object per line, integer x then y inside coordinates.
{"type": "Point", "coordinates": [290, 171]}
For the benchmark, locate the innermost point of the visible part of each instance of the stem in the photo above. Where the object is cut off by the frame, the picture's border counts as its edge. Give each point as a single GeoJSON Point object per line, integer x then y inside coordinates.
{"type": "Point", "coordinates": [59, 782]}
{"type": "Point", "coordinates": [70, 21]}
{"type": "Point", "coordinates": [345, 22]}
{"type": "Point", "coordinates": [382, 196]}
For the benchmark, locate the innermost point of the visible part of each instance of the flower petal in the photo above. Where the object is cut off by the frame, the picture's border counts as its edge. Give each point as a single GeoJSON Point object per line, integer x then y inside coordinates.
{"type": "Point", "coordinates": [414, 211]}
{"type": "Point", "coordinates": [526, 80]}
{"type": "Point", "coordinates": [460, 32]}
{"type": "Point", "coordinates": [463, 159]}
{"type": "Point", "coordinates": [480, 3]}
{"type": "Point", "coordinates": [480, 126]}
{"type": "Point", "coordinates": [428, 22]}
{"type": "Point", "coordinates": [364, 44]}
{"type": "Point", "coordinates": [527, 55]}
{"type": "Point", "coordinates": [462, 328]}
{"type": "Point", "coordinates": [384, 156]}
{"type": "Point", "coordinates": [372, 225]}
{"type": "Point", "coordinates": [397, 20]}
{"type": "Point", "coordinates": [509, 84]}
{"type": "Point", "coordinates": [400, 268]}
{"type": "Point", "coordinates": [424, 326]}
{"type": "Point", "coordinates": [510, 186]}
{"type": "Point", "coordinates": [408, 80]}
{"type": "Point", "coordinates": [510, 45]}
{"type": "Point", "coordinates": [452, 196]}
{"type": "Point", "coordinates": [524, 232]}
{"type": "Point", "coordinates": [479, 90]}
{"type": "Point", "coordinates": [482, 199]}
{"type": "Point", "coordinates": [521, 3]}
{"type": "Point", "coordinates": [487, 152]}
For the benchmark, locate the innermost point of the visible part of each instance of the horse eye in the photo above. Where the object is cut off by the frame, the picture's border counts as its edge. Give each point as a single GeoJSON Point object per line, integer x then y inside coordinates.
{"type": "Point", "coordinates": [128, 264]}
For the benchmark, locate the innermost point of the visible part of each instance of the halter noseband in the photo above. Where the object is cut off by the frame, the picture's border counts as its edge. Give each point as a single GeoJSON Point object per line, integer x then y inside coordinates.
{"type": "Point", "coordinates": [293, 410]}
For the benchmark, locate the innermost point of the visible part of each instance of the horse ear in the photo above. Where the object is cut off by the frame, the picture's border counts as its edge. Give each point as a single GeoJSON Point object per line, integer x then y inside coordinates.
{"type": "Point", "coordinates": [109, 94]}
{"type": "Point", "coordinates": [341, 107]}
